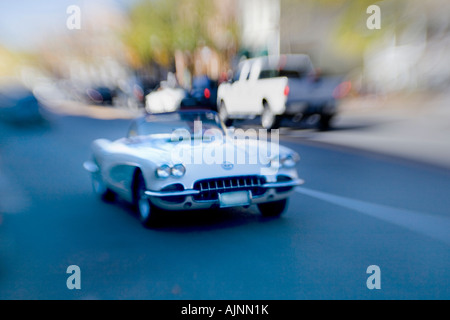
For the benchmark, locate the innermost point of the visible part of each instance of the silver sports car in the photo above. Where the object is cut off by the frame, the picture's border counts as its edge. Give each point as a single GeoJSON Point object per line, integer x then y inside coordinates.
{"type": "Point", "coordinates": [189, 160]}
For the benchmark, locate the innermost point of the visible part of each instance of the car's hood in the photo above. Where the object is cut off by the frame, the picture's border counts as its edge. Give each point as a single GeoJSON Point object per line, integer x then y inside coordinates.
{"type": "Point", "coordinates": [225, 156]}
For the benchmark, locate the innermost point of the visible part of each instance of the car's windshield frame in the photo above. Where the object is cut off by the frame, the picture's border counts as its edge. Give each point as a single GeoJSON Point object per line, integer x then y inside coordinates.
{"type": "Point", "coordinates": [167, 125]}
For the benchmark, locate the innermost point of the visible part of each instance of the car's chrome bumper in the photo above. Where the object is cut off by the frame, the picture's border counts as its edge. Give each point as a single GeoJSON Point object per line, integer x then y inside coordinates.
{"type": "Point", "coordinates": [192, 192]}
{"type": "Point", "coordinates": [161, 194]}
{"type": "Point", "coordinates": [91, 167]}
{"type": "Point", "coordinates": [161, 198]}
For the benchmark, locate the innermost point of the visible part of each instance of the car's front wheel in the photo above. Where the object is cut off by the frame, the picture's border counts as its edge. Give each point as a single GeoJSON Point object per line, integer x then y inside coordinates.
{"type": "Point", "coordinates": [273, 209]}
{"type": "Point", "coordinates": [146, 211]}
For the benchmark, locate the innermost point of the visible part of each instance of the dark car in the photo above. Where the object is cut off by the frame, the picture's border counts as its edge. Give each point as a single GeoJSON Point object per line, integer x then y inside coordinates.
{"type": "Point", "coordinates": [100, 95]}
{"type": "Point", "coordinates": [203, 94]}
{"type": "Point", "coordinates": [130, 94]}
{"type": "Point", "coordinates": [18, 104]}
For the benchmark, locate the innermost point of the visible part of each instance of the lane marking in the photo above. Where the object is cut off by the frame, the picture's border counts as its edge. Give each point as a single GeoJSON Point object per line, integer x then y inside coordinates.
{"type": "Point", "coordinates": [434, 226]}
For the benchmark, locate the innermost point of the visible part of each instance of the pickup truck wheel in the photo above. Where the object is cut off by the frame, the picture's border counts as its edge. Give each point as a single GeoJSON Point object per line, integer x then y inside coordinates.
{"type": "Point", "coordinates": [273, 209]}
{"type": "Point", "coordinates": [324, 122]}
{"type": "Point", "coordinates": [223, 114]}
{"type": "Point", "coordinates": [269, 120]}
{"type": "Point", "coordinates": [147, 212]}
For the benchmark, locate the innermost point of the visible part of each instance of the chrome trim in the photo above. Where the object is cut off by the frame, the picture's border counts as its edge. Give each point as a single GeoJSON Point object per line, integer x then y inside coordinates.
{"type": "Point", "coordinates": [187, 192]}
{"type": "Point", "coordinates": [211, 188]}
{"type": "Point", "coordinates": [91, 167]}
{"type": "Point", "coordinates": [292, 183]}
{"type": "Point", "coordinates": [191, 192]}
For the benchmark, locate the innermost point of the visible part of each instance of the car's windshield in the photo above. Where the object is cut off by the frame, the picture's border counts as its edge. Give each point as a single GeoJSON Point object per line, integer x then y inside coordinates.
{"type": "Point", "coordinates": [272, 73]}
{"type": "Point", "coordinates": [176, 124]}
{"type": "Point", "coordinates": [290, 66]}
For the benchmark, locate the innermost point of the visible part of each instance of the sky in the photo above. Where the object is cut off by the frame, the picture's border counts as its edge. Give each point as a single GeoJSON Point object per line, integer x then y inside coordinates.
{"type": "Point", "coordinates": [23, 23]}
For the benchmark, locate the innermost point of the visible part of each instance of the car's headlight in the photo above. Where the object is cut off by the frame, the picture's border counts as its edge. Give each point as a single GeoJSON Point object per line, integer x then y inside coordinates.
{"type": "Point", "coordinates": [163, 171]}
{"type": "Point", "coordinates": [289, 160]}
{"type": "Point", "coordinates": [178, 170]}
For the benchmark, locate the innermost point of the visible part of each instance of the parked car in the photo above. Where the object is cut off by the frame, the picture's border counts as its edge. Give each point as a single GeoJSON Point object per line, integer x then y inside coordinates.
{"type": "Point", "coordinates": [166, 98]}
{"type": "Point", "coordinates": [276, 88]}
{"type": "Point", "coordinates": [145, 168]}
{"type": "Point", "coordinates": [101, 95]}
{"type": "Point", "coordinates": [202, 95]}
{"type": "Point", "coordinates": [19, 105]}
{"type": "Point", "coordinates": [130, 94]}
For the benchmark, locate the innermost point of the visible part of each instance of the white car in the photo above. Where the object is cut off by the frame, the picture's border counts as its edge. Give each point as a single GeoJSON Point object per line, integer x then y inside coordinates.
{"type": "Point", "coordinates": [155, 167]}
{"type": "Point", "coordinates": [166, 98]}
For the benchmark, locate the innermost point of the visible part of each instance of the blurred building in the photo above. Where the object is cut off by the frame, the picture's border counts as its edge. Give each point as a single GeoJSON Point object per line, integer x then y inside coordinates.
{"type": "Point", "coordinates": [260, 26]}
{"type": "Point", "coordinates": [287, 26]}
{"type": "Point", "coordinates": [93, 55]}
{"type": "Point", "coordinates": [414, 51]}
{"type": "Point", "coordinates": [410, 52]}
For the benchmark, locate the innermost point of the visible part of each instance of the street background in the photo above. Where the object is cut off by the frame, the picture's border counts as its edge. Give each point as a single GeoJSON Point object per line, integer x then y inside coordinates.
{"type": "Point", "coordinates": [377, 181]}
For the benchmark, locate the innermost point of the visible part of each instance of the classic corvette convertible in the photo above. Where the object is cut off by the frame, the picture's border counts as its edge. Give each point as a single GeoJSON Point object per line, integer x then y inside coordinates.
{"type": "Point", "coordinates": [188, 160]}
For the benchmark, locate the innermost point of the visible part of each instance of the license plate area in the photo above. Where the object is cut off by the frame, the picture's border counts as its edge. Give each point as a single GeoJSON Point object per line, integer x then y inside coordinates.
{"type": "Point", "coordinates": [234, 199]}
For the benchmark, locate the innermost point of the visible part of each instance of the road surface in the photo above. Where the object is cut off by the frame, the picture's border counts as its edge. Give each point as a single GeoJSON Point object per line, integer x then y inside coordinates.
{"type": "Point", "coordinates": [355, 210]}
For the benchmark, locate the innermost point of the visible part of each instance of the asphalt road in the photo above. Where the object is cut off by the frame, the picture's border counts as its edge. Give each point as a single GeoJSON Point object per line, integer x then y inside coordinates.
{"type": "Point", "coordinates": [355, 210]}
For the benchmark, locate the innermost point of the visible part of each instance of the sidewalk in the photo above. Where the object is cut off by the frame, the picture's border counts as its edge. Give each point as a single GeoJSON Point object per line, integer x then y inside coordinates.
{"type": "Point", "coordinates": [414, 126]}
{"type": "Point", "coordinates": [74, 108]}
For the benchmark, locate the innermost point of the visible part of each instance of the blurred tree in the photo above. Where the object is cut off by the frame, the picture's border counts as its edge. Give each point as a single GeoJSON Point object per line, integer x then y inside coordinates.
{"type": "Point", "coordinates": [349, 33]}
{"type": "Point", "coordinates": [159, 28]}
{"type": "Point", "coordinates": [13, 62]}
{"type": "Point", "coordinates": [352, 34]}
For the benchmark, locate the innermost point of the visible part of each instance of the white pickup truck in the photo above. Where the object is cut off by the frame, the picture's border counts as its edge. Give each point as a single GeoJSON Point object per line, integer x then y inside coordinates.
{"type": "Point", "coordinates": [277, 88]}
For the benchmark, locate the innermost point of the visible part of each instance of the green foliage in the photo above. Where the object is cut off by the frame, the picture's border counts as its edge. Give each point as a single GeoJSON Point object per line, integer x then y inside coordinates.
{"type": "Point", "coordinates": [160, 27]}
{"type": "Point", "coordinates": [350, 34]}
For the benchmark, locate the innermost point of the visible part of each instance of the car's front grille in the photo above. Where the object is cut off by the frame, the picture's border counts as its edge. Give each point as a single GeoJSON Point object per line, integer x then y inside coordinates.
{"type": "Point", "coordinates": [210, 188]}
{"type": "Point", "coordinates": [283, 178]}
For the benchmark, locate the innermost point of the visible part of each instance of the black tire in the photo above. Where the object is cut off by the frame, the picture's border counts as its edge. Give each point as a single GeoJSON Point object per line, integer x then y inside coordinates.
{"type": "Point", "coordinates": [223, 114]}
{"type": "Point", "coordinates": [147, 212]}
{"type": "Point", "coordinates": [268, 119]}
{"type": "Point", "coordinates": [273, 209]}
{"type": "Point", "coordinates": [325, 122]}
